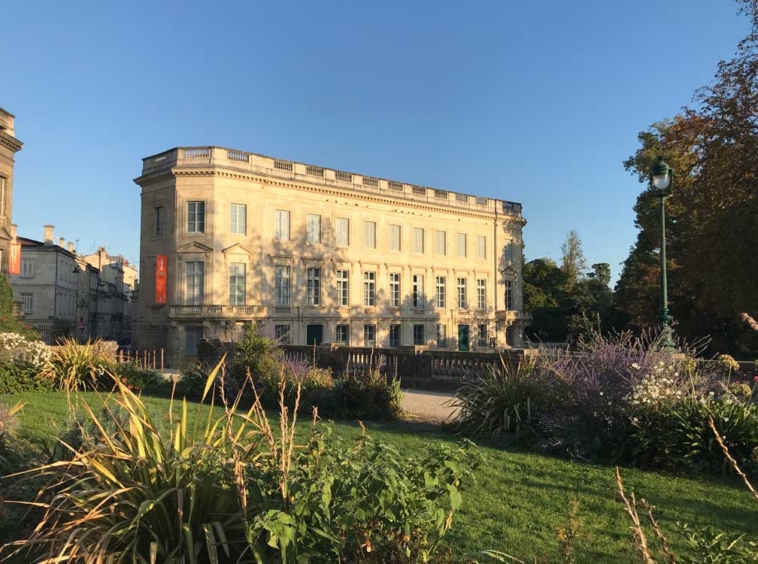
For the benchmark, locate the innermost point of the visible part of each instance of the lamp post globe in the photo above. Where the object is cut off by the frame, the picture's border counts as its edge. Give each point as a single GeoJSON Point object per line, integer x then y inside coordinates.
{"type": "Point", "coordinates": [662, 185]}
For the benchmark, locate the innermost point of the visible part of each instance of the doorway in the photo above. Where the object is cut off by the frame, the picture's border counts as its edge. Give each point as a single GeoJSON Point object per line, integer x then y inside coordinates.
{"type": "Point", "coordinates": [314, 335]}
{"type": "Point", "coordinates": [463, 337]}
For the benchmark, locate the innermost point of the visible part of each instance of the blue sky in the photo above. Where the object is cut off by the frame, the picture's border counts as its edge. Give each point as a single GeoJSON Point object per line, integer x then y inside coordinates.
{"type": "Point", "coordinates": [534, 102]}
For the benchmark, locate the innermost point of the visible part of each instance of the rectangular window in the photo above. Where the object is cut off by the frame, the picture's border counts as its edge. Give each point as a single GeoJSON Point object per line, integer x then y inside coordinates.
{"type": "Point", "coordinates": [238, 219]}
{"type": "Point", "coordinates": [482, 335]}
{"type": "Point", "coordinates": [282, 334]}
{"type": "Point", "coordinates": [418, 291]}
{"type": "Point", "coordinates": [369, 335]}
{"type": "Point", "coordinates": [481, 294]}
{"type": "Point", "coordinates": [28, 301]}
{"type": "Point", "coordinates": [481, 247]}
{"type": "Point", "coordinates": [441, 243]}
{"type": "Point", "coordinates": [441, 292]}
{"type": "Point", "coordinates": [395, 234]}
{"type": "Point", "coordinates": [369, 235]}
{"type": "Point", "coordinates": [462, 244]}
{"type": "Point", "coordinates": [418, 335]}
{"type": "Point", "coordinates": [394, 289]}
{"type": "Point", "coordinates": [369, 289]}
{"type": "Point", "coordinates": [313, 228]}
{"type": "Point", "coordinates": [509, 294]}
{"type": "Point", "coordinates": [462, 294]}
{"type": "Point", "coordinates": [509, 252]}
{"type": "Point", "coordinates": [342, 232]}
{"type": "Point", "coordinates": [441, 336]}
{"type": "Point", "coordinates": [281, 285]}
{"type": "Point", "coordinates": [418, 240]}
{"type": "Point", "coordinates": [195, 282]}
{"type": "Point", "coordinates": [160, 218]}
{"type": "Point", "coordinates": [196, 217]}
{"type": "Point", "coordinates": [313, 296]}
{"type": "Point", "coordinates": [343, 288]}
{"type": "Point", "coordinates": [342, 335]}
{"type": "Point", "coordinates": [237, 283]}
{"type": "Point", "coordinates": [394, 335]}
{"type": "Point", "coordinates": [192, 335]}
{"type": "Point", "coordinates": [27, 268]}
{"type": "Point", "coordinates": [2, 196]}
{"type": "Point", "coordinates": [282, 225]}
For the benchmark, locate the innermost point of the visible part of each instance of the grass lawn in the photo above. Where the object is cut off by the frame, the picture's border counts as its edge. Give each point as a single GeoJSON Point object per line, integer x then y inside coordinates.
{"type": "Point", "coordinates": [519, 499]}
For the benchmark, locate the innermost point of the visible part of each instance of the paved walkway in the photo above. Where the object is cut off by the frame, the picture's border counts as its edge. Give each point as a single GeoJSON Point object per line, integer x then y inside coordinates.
{"type": "Point", "coordinates": [428, 406]}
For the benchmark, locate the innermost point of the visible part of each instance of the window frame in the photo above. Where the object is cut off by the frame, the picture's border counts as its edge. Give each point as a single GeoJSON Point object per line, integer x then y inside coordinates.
{"type": "Point", "coordinates": [369, 235]}
{"type": "Point", "coordinates": [313, 228]}
{"type": "Point", "coordinates": [369, 329]}
{"type": "Point", "coordinates": [481, 293]}
{"type": "Point", "coordinates": [440, 238]}
{"type": "Point", "coordinates": [280, 225]}
{"type": "Point", "coordinates": [369, 288]}
{"type": "Point", "coordinates": [417, 291]}
{"type": "Point", "coordinates": [344, 340]}
{"type": "Point", "coordinates": [419, 337]}
{"type": "Point", "coordinates": [396, 238]}
{"type": "Point", "coordinates": [23, 273]}
{"type": "Point", "coordinates": [343, 287]}
{"type": "Point", "coordinates": [282, 285]}
{"type": "Point", "coordinates": [462, 245]}
{"type": "Point", "coordinates": [394, 294]}
{"type": "Point", "coordinates": [342, 232]}
{"type": "Point", "coordinates": [418, 241]}
{"type": "Point", "coordinates": [462, 294]}
{"type": "Point", "coordinates": [194, 282]}
{"type": "Point", "coordinates": [235, 284]}
{"type": "Point", "coordinates": [196, 226]}
{"type": "Point", "coordinates": [481, 247]}
{"type": "Point", "coordinates": [313, 286]}
{"type": "Point", "coordinates": [234, 219]}
{"type": "Point", "coordinates": [395, 340]}
{"type": "Point", "coordinates": [160, 220]}
{"type": "Point", "coordinates": [440, 292]}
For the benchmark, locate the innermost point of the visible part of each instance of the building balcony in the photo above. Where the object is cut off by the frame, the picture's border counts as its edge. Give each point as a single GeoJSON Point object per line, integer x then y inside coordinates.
{"type": "Point", "coordinates": [215, 311]}
{"type": "Point", "coordinates": [512, 315]}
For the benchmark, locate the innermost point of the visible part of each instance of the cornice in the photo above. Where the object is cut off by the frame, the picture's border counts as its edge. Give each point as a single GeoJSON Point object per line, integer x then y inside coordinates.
{"type": "Point", "coordinates": [11, 142]}
{"type": "Point", "coordinates": [327, 190]}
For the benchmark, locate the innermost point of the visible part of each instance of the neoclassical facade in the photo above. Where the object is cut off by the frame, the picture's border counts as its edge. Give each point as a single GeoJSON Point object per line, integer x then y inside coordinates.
{"type": "Point", "coordinates": [314, 255]}
{"type": "Point", "coordinates": [9, 146]}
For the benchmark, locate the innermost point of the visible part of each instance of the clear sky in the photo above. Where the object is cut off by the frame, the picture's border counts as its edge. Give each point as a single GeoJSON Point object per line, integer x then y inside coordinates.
{"type": "Point", "coordinates": [534, 102]}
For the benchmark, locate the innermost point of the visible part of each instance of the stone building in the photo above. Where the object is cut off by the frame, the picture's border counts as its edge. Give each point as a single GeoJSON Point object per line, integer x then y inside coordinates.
{"type": "Point", "coordinates": [315, 255]}
{"type": "Point", "coordinates": [9, 146]}
{"type": "Point", "coordinates": [119, 278]}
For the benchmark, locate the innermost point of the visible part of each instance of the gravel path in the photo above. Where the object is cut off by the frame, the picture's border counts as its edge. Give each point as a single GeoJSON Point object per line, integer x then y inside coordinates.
{"type": "Point", "coordinates": [427, 406]}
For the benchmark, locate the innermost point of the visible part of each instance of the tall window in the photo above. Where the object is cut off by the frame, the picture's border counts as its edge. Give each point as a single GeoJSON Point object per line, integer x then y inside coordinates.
{"type": "Point", "coordinates": [481, 247]}
{"type": "Point", "coordinates": [196, 217]}
{"type": "Point", "coordinates": [394, 335]}
{"type": "Point", "coordinates": [369, 234]}
{"type": "Point", "coordinates": [394, 289]}
{"type": "Point", "coordinates": [2, 196]}
{"type": "Point", "coordinates": [509, 294]}
{"type": "Point", "coordinates": [418, 291]}
{"type": "Point", "coordinates": [192, 334]}
{"type": "Point", "coordinates": [482, 335]}
{"type": "Point", "coordinates": [481, 294]}
{"type": "Point", "coordinates": [462, 294]}
{"type": "Point", "coordinates": [282, 333]}
{"type": "Point", "coordinates": [282, 225]}
{"type": "Point", "coordinates": [395, 235]}
{"type": "Point", "coordinates": [342, 232]}
{"type": "Point", "coordinates": [195, 282]}
{"type": "Point", "coordinates": [27, 268]}
{"type": "Point", "coordinates": [281, 285]}
{"type": "Point", "coordinates": [462, 244]}
{"type": "Point", "coordinates": [313, 227]}
{"type": "Point", "coordinates": [314, 287]}
{"type": "Point", "coordinates": [441, 292]}
{"type": "Point", "coordinates": [369, 289]}
{"type": "Point", "coordinates": [369, 335]}
{"type": "Point", "coordinates": [418, 335]}
{"type": "Point", "coordinates": [238, 219]}
{"type": "Point", "coordinates": [342, 335]}
{"type": "Point", "coordinates": [343, 288]}
{"type": "Point", "coordinates": [418, 240]}
{"type": "Point", "coordinates": [441, 336]}
{"type": "Point", "coordinates": [510, 252]}
{"type": "Point", "coordinates": [27, 299]}
{"type": "Point", "coordinates": [160, 218]}
{"type": "Point", "coordinates": [237, 283]}
{"type": "Point", "coordinates": [441, 243]}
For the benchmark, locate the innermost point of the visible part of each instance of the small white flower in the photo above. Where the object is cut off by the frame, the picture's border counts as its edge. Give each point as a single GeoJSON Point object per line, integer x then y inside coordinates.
{"type": "Point", "coordinates": [726, 419]}
{"type": "Point", "coordinates": [711, 394]}
{"type": "Point", "coordinates": [601, 393]}
{"type": "Point", "coordinates": [636, 366]}
{"type": "Point", "coordinates": [635, 419]}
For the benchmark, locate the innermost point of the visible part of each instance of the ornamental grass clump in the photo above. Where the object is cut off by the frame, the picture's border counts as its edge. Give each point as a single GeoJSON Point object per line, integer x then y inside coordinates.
{"type": "Point", "coordinates": [73, 366]}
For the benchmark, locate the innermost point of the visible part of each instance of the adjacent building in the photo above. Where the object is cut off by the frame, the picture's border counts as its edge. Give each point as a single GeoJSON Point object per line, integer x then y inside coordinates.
{"type": "Point", "coordinates": [9, 146]}
{"type": "Point", "coordinates": [118, 279]}
{"type": "Point", "coordinates": [63, 293]}
{"type": "Point", "coordinates": [321, 255]}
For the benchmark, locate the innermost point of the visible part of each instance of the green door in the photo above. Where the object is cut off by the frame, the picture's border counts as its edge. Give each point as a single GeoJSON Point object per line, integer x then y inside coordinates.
{"type": "Point", "coordinates": [462, 337]}
{"type": "Point", "coordinates": [314, 334]}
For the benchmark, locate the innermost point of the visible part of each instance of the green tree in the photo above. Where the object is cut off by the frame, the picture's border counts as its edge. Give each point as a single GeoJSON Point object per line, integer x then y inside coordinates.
{"type": "Point", "coordinates": [573, 263]}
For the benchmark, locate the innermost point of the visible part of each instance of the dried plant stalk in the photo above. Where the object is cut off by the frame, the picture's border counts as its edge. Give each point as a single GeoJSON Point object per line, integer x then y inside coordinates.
{"type": "Point", "coordinates": [639, 535]}
{"type": "Point", "coordinates": [752, 323]}
{"type": "Point", "coordinates": [659, 532]}
{"type": "Point", "coordinates": [731, 459]}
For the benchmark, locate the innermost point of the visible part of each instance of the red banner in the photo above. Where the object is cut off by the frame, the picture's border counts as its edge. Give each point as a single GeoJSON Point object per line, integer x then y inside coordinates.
{"type": "Point", "coordinates": [161, 271]}
{"type": "Point", "coordinates": [14, 263]}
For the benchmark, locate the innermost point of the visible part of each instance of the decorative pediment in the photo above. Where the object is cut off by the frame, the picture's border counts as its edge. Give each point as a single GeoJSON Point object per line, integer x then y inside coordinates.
{"type": "Point", "coordinates": [237, 249]}
{"type": "Point", "coordinates": [5, 234]}
{"type": "Point", "coordinates": [509, 271]}
{"type": "Point", "coordinates": [194, 247]}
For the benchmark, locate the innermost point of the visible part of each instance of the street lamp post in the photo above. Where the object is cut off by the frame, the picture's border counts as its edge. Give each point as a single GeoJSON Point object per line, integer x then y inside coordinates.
{"type": "Point", "coordinates": [662, 185]}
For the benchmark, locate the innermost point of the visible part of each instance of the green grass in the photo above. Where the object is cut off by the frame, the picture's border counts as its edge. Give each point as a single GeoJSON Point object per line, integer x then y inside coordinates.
{"type": "Point", "coordinates": [519, 499]}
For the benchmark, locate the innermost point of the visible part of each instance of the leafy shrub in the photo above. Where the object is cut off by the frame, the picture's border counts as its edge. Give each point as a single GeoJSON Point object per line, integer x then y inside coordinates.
{"type": "Point", "coordinates": [17, 377]}
{"type": "Point", "coordinates": [211, 492]}
{"type": "Point", "coordinates": [74, 367]}
{"type": "Point", "coordinates": [8, 448]}
{"type": "Point", "coordinates": [149, 382]}
{"type": "Point", "coordinates": [372, 396]}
